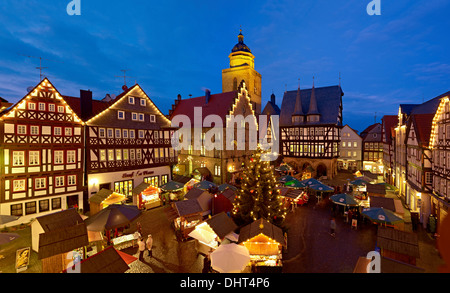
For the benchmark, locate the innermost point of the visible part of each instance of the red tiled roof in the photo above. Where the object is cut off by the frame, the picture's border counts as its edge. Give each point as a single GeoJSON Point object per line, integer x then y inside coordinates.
{"type": "Point", "coordinates": [389, 122]}
{"type": "Point", "coordinates": [75, 104]}
{"type": "Point", "coordinates": [422, 125]}
{"type": "Point", "coordinates": [218, 104]}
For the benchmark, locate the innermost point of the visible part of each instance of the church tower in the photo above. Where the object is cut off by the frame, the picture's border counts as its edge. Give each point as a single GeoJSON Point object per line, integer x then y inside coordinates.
{"type": "Point", "coordinates": [242, 67]}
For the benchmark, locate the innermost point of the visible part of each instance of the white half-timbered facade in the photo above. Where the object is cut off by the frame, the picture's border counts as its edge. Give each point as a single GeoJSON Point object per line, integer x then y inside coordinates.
{"type": "Point", "coordinates": [440, 146]}
{"type": "Point", "coordinates": [419, 159]}
{"type": "Point", "coordinates": [41, 148]}
{"type": "Point", "coordinates": [127, 143]}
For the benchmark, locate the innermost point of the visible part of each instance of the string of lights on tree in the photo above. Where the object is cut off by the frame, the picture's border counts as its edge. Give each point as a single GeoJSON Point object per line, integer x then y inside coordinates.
{"type": "Point", "coordinates": [258, 196]}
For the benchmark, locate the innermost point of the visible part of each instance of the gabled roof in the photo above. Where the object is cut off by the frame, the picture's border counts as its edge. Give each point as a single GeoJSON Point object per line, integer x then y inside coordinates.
{"type": "Point", "coordinates": [62, 240]}
{"type": "Point", "coordinates": [58, 220]}
{"type": "Point", "coordinates": [261, 226]}
{"type": "Point", "coordinates": [271, 109]}
{"type": "Point", "coordinates": [328, 99]}
{"type": "Point", "coordinates": [422, 126]}
{"type": "Point", "coordinates": [107, 261]}
{"type": "Point", "coordinates": [97, 105]}
{"type": "Point", "coordinates": [50, 89]}
{"type": "Point", "coordinates": [218, 104]}
{"type": "Point", "coordinates": [372, 130]}
{"type": "Point", "coordinates": [221, 224]}
{"type": "Point", "coordinates": [389, 122]}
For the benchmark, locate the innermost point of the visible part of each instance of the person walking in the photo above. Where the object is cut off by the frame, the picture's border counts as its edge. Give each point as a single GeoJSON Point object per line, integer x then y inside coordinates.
{"type": "Point", "coordinates": [149, 244]}
{"type": "Point", "coordinates": [141, 245]}
{"type": "Point", "coordinates": [333, 227]}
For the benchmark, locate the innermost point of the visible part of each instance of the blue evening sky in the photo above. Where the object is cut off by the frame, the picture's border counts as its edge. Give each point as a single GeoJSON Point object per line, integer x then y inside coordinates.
{"type": "Point", "coordinates": [180, 47]}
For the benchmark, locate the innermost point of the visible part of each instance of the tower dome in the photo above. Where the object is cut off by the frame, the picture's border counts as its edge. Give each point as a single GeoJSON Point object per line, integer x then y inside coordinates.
{"type": "Point", "coordinates": [240, 46]}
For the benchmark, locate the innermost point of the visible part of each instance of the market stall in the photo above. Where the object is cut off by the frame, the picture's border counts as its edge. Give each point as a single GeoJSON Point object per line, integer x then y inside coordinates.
{"type": "Point", "coordinates": [264, 242]}
{"type": "Point", "coordinates": [188, 213]}
{"type": "Point", "coordinates": [211, 232]}
{"type": "Point", "coordinates": [293, 196]}
{"type": "Point", "coordinates": [146, 196]}
{"type": "Point", "coordinates": [104, 198]}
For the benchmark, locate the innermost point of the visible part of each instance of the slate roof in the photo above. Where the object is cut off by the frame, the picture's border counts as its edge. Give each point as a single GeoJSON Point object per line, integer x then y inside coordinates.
{"type": "Point", "coordinates": [271, 109]}
{"type": "Point", "coordinates": [328, 99]}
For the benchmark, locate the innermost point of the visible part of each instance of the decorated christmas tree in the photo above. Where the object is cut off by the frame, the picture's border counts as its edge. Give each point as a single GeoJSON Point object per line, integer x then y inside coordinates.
{"type": "Point", "coordinates": [258, 197]}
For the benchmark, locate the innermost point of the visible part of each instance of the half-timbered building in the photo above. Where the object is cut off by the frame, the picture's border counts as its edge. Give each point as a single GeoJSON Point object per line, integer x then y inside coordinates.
{"type": "Point", "coordinates": [224, 162]}
{"type": "Point", "coordinates": [388, 123]}
{"type": "Point", "coordinates": [41, 146]}
{"type": "Point", "coordinates": [128, 141]}
{"type": "Point", "coordinates": [419, 172]}
{"type": "Point", "coordinates": [310, 129]}
{"type": "Point", "coordinates": [440, 146]}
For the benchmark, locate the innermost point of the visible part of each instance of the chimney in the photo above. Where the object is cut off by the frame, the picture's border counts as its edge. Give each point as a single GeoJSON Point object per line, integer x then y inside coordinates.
{"type": "Point", "coordinates": [207, 95]}
{"type": "Point", "coordinates": [85, 104]}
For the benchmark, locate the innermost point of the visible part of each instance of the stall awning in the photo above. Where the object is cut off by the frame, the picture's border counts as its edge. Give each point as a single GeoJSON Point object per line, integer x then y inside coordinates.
{"type": "Point", "coordinates": [107, 197]}
{"type": "Point", "coordinates": [141, 187]}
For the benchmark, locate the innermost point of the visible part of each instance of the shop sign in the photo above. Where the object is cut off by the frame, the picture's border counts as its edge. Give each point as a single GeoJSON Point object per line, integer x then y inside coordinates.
{"type": "Point", "coordinates": [138, 173]}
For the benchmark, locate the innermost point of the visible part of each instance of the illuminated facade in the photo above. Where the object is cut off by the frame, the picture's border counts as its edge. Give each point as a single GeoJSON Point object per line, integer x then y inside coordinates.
{"type": "Point", "coordinates": [351, 155]}
{"type": "Point", "coordinates": [389, 122]}
{"type": "Point", "coordinates": [128, 141]}
{"type": "Point", "coordinates": [221, 164]}
{"type": "Point", "coordinates": [372, 149]}
{"type": "Point", "coordinates": [42, 149]}
{"type": "Point", "coordinates": [310, 129]}
{"type": "Point", "coordinates": [440, 146]}
{"type": "Point", "coordinates": [242, 67]}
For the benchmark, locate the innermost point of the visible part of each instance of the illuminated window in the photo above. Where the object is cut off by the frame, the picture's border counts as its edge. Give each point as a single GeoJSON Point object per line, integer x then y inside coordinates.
{"type": "Point", "coordinates": [33, 158]}
{"type": "Point", "coordinates": [18, 158]}
{"type": "Point", "coordinates": [68, 131]}
{"type": "Point", "coordinates": [118, 155]}
{"type": "Point", "coordinates": [34, 130]}
{"type": "Point", "coordinates": [19, 185]}
{"type": "Point", "coordinates": [110, 155]}
{"type": "Point", "coordinates": [40, 183]}
{"type": "Point", "coordinates": [59, 181]}
{"type": "Point", "coordinates": [101, 133]}
{"type": "Point", "coordinates": [59, 157]}
{"type": "Point", "coordinates": [71, 157]}
{"type": "Point", "coordinates": [102, 155]}
{"type": "Point", "coordinates": [31, 106]}
{"type": "Point", "coordinates": [57, 131]}
{"type": "Point", "coordinates": [21, 129]}
{"type": "Point", "coordinates": [72, 180]}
